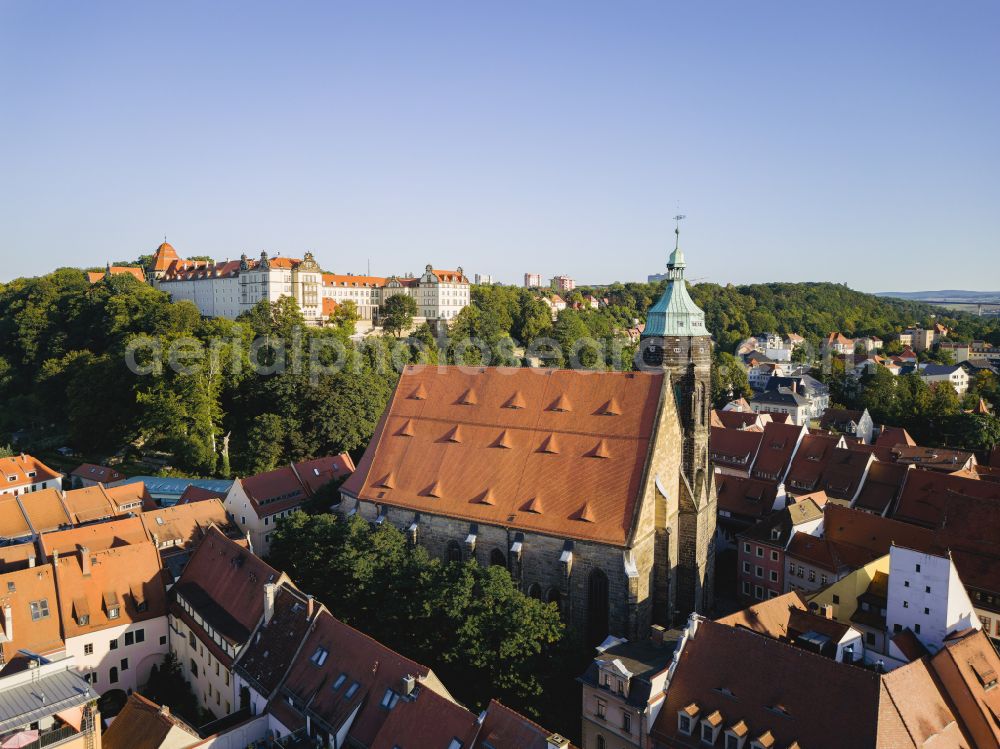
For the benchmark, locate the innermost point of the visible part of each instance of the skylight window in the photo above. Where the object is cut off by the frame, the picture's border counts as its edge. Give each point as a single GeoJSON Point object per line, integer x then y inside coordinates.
{"type": "Point", "coordinates": [339, 682]}
{"type": "Point", "coordinates": [319, 657]}
{"type": "Point", "coordinates": [389, 699]}
{"type": "Point", "coordinates": [351, 690]}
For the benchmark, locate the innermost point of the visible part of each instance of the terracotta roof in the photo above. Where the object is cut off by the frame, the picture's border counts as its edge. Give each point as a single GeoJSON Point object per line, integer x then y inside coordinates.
{"type": "Point", "coordinates": [287, 487]}
{"type": "Point", "coordinates": [16, 556]}
{"type": "Point", "coordinates": [197, 494]}
{"type": "Point", "coordinates": [142, 724]}
{"type": "Point", "coordinates": [739, 419]}
{"type": "Point", "coordinates": [734, 448]}
{"type": "Point", "coordinates": [369, 669]}
{"type": "Point", "coordinates": [968, 667]}
{"type": "Point", "coordinates": [351, 281]}
{"type": "Point", "coordinates": [844, 472]}
{"type": "Point", "coordinates": [225, 583]}
{"type": "Point", "coordinates": [329, 306]}
{"type": "Point", "coordinates": [773, 687]}
{"type": "Point", "coordinates": [117, 270]}
{"type": "Point", "coordinates": [776, 448]}
{"type": "Point", "coordinates": [913, 712]}
{"type": "Point", "coordinates": [504, 728]}
{"type": "Point", "coordinates": [183, 526]}
{"type": "Point", "coordinates": [926, 494]}
{"type": "Point", "coordinates": [453, 276]}
{"type": "Point", "coordinates": [769, 617]}
{"type": "Point", "coordinates": [276, 643]}
{"type": "Point", "coordinates": [164, 256]}
{"type": "Point", "coordinates": [810, 461]}
{"type": "Point", "coordinates": [875, 534]}
{"type": "Point", "coordinates": [882, 487]}
{"type": "Point", "coordinates": [13, 522]}
{"type": "Point", "coordinates": [909, 644]}
{"type": "Point", "coordinates": [100, 474]}
{"type": "Point", "coordinates": [96, 536]}
{"type": "Point", "coordinates": [425, 720]}
{"type": "Point", "coordinates": [128, 578]}
{"type": "Point", "coordinates": [42, 635]}
{"type": "Point", "coordinates": [933, 458]}
{"type": "Point", "coordinates": [892, 436]}
{"type": "Point", "coordinates": [538, 451]}
{"type": "Point", "coordinates": [45, 510]}
{"type": "Point", "coordinates": [745, 497]}
{"type": "Point", "coordinates": [14, 471]}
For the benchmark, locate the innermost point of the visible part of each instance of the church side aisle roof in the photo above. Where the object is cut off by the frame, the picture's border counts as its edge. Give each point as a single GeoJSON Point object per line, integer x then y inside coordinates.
{"type": "Point", "coordinates": [558, 462]}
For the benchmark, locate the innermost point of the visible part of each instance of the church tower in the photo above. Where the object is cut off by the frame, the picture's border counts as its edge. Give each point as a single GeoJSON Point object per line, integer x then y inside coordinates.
{"type": "Point", "coordinates": [676, 340]}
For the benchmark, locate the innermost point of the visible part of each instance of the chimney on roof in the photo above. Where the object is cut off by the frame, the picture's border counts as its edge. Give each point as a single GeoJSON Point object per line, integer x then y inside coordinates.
{"type": "Point", "coordinates": [409, 684]}
{"type": "Point", "coordinates": [310, 606]}
{"type": "Point", "coordinates": [269, 591]}
{"type": "Point", "coordinates": [55, 557]}
{"type": "Point", "coordinates": [164, 710]}
{"type": "Point", "coordinates": [85, 560]}
{"type": "Point", "coordinates": [656, 635]}
{"type": "Point", "coordinates": [31, 559]}
{"type": "Point", "coordinates": [826, 611]}
{"type": "Point", "coordinates": [8, 622]}
{"type": "Point", "coordinates": [555, 741]}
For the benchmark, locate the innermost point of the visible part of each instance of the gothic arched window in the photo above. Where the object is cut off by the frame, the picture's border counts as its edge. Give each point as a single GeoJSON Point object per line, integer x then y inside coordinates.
{"type": "Point", "coordinates": [454, 552]}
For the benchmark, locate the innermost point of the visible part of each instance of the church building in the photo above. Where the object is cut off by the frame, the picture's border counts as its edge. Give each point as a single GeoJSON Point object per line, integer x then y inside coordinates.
{"type": "Point", "coordinates": [592, 488]}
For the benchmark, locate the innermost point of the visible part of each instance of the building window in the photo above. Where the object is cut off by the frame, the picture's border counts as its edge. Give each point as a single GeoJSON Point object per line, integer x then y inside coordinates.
{"type": "Point", "coordinates": [870, 638]}
{"type": "Point", "coordinates": [194, 669]}
{"type": "Point", "coordinates": [39, 609]}
{"type": "Point", "coordinates": [627, 722]}
{"type": "Point", "coordinates": [129, 638]}
{"type": "Point", "coordinates": [88, 649]}
{"type": "Point", "coordinates": [684, 724]}
{"type": "Point", "coordinates": [836, 598]}
{"type": "Point", "coordinates": [759, 571]}
{"type": "Point", "coordinates": [918, 568]}
{"type": "Point", "coordinates": [746, 567]}
{"type": "Point", "coordinates": [746, 548]}
{"type": "Point", "coordinates": [746, 588]}
{"type": "Point", "coordinates": [774, 556]}
{"type": "Point", "coordinates": [916, 628]}
{"type": "Point", "coordinates": [602, 709]}
{"type": "Point", "coordinates": [124, 664]}
{"type": "Point", "coordinates": [906, 604]}
{"type": "Point", "coordinates": [113, 644]}
{"type": "Point", "coordinates": [113, 677]}
{"type": "Point", "coordinates": [601, 744]}
{"type": "Point", "coordinates": [774, 576]}
{"type": "Point", "coordinates": [927, 589]}
{"type": "Point", "coordinates": [812, 576]}
{"type": "Point", "coordinates": [758, 592]}
{"type": "Point", "coordinates": [163, 639]}
{"type": "Point", "coordinates": [823, 580]}
{"type": "Point", "coordinates": [140, 635]}
{"type": "Point", "coordinates": [927, 612]}
{"type": "Point", "coordinates": [760, 551]}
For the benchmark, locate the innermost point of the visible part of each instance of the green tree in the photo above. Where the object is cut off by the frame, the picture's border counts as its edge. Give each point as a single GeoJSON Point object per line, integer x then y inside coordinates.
{"type": "Point", "coordinates": [345, 317]}
{"type": "Point", "coordinates": [729, 379]}
{"type": "Point", "coordinates": [397, 313]}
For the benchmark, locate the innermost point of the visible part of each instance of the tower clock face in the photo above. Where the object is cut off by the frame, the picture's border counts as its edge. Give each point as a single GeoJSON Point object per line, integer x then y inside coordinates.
{"type": "Point", "coordinates": [652, 355]}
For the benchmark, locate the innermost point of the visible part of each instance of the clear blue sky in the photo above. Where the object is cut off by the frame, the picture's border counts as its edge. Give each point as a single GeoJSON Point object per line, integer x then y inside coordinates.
{"type": "Point", "coordinates": [856, 142]}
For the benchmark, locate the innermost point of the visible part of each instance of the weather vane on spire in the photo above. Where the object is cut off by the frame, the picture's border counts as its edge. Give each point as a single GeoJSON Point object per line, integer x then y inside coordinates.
{"type": "Point", "coordinates": [677, 229]}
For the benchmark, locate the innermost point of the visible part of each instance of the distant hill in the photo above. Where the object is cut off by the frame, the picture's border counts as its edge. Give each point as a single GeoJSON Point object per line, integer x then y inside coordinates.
{"type": "Point", "coordinates": [946, 295]}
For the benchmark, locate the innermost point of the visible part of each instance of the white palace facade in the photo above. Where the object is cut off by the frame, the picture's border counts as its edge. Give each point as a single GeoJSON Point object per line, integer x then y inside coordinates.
{"type": "Point", "coordinates": [229, 288]}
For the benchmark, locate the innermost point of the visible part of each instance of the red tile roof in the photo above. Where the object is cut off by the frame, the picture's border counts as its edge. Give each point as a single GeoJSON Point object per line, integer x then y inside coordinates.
{"type": "Point", "coordinates": [426, 720]}
{"type": "Point", "coordinates": [41, 635]}
{"type": "Point", "coordinates": [745, 497]}
{"type": "Point", "coordinates": [738, 419]}
{"type": "Point", "coordinates": [540, 451]}
{"type": "Point", "coordinates": [122, 577]}
{"type": "Point", "coordinates": [197, 494]}
{"type": "Point", "coordinates": [734, 448]}
{"type": "Point", "coordinates": [100, 474]}
{"type": "Point", "coordinates": [364, 662]}
{"type": "Point", "coordinates": [96, 536]}
{"type": "Point", "coordinates": [892, 436]}
{"type": "Point", "coordinates": [351, 281]}
{"type": "Point", "coordinates": [225, 583]}
{"type": "Point", "coordinates": [182, 527]}
{"type": "Point", "coordinates": [143, 724]}
{"type": "Point", "coordinates": [504, 728]}
{"type": "Point", "coordinates": [810, 461]}
{"type": "Point", "coordinates": [771, 687]}
{"type": "Point", "coordinates": [968, 667]}
{"type": "Point", "coordinates": [776, 449]}
{"type": "Point", "coordinates": [14, 471]}
{"type": "Point", "coordinates": [16, 556]}
{"type": "Point", "coordinates": [882, 487]}
{"type": "Point", "coordinates": [45, 510]}
{"type": "Point", "coordinates": [117, 270]}
{"type": "Point", "coordinates": [926, 493]}
{"type": "Point", "coordinates": [287, 487]}
{"type": "Point", "coordinates": [768, 617]}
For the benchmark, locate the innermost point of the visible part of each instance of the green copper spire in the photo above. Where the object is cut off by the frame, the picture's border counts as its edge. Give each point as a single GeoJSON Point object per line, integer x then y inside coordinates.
{"type": "Point", "coordinates": [675, 314]}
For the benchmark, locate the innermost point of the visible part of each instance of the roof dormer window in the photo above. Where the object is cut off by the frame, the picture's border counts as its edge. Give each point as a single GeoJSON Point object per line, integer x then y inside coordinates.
{"type": "Point", "coordinates": [319, 657]}
{"type": "Point", "coordinates": [710, 727]}
{"type": "Point", "coordinates": [686, 718]}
